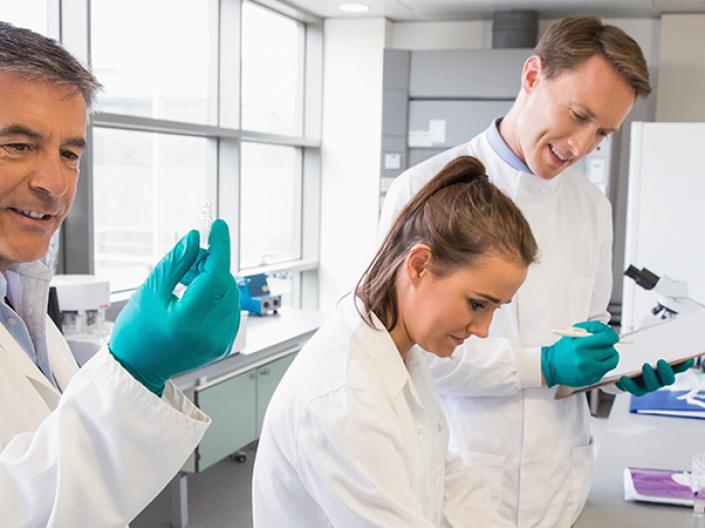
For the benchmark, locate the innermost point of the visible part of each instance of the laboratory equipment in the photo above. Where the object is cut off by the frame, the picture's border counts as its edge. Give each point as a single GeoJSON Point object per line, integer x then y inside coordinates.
{"type": "Point", "coordinates": [665, 212]}
{"type": "Point", "coordinates": [83, 300]}
{"type": "Point", "coordinates": [672, 294]}
{"type": "Point", "coordinates": [574, 331]}
{"type": "Point", "coordinates": [256, 297]}
{"type": "Point", "coordinates": [205, 222]}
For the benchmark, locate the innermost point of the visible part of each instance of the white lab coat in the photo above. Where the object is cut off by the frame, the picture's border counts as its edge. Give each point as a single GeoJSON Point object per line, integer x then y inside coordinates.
{"type": "Point", "coordinates": [95, 455]}
{"type": "Point", "coordinates": [354, 437]}
{"type": "Point", "coordinates": [533, 450]}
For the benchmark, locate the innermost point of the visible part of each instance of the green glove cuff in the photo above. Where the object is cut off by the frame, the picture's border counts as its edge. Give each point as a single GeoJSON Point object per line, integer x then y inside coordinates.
{"type": "Point", "coordinates": [547, 367]}
{"type": "Point", "coordinates": [154, 385]}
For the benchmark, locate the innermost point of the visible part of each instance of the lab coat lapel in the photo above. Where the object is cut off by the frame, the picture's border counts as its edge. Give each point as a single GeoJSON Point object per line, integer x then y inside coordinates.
{"type": "Point", "coordinates": [379, 345]}
{"type": "Point", "coordinates": [63, 364]}
{"type": "Point", "coordinates": [26, 367]}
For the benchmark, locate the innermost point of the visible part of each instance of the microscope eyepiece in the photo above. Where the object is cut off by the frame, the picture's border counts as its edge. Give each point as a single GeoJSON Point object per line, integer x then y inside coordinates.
{"type": "Point", "coordinates": [644, 278]}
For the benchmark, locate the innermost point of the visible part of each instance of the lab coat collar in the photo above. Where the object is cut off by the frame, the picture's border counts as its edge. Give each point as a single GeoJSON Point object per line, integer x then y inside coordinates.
{"type": "Point", "coordinates": [26, 366]}
{"type": "Point", "coordinates": [501, 148]}
{"type": "Point", "coordinates": [392, 369]}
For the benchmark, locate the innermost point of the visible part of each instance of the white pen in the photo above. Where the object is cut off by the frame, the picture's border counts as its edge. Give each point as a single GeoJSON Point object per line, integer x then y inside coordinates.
{"type": "Point", "coordinates": [575, 331]}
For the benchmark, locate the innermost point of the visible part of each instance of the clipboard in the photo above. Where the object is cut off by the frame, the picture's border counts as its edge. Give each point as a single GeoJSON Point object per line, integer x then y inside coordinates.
{"type": "Point", "coordinates": [674, 340]}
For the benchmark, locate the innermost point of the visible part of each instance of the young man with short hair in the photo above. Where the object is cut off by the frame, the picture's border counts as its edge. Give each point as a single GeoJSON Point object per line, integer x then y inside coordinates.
{"type": "Point", "coordinates": [533, 450]}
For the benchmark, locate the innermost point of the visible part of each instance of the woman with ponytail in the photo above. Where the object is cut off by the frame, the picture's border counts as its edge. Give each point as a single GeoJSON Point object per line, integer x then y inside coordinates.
{"type": "Point", "coordinates": [354, 435]}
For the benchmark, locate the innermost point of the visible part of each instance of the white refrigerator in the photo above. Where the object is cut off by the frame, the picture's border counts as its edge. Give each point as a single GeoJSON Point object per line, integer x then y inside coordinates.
{"type": "Point", "coordinates": [665, 229]}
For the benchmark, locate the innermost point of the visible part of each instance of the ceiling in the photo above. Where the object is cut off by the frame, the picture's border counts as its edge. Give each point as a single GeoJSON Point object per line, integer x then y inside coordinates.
{"type": "Point", "coordinates": [420, 10]}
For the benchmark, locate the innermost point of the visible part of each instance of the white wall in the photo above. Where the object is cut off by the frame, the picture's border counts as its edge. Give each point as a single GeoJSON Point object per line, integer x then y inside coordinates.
{"type": "Point", "coordinates": [681, 83]}
{"type": "Point", "coordinates": [350, 151]}
{"type": "Point", "coordinates": [461, 34]}
{"type": "Point", "coordinates": [477, 34]}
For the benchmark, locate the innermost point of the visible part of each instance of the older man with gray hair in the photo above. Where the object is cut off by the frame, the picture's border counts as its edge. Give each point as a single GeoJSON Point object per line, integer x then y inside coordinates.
{"type": "Point", "coordinates": [89, 447]}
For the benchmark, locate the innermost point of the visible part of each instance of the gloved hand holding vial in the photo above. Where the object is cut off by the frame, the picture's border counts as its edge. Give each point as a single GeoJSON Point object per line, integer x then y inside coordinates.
{"type": "Point", "coordinates": [158, 335]}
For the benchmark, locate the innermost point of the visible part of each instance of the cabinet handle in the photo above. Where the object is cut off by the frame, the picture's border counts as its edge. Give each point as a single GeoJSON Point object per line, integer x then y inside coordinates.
{"type": "Point", "coordinates": [253, 374]}
{"type": "Point", "coordinates": [265, 372]}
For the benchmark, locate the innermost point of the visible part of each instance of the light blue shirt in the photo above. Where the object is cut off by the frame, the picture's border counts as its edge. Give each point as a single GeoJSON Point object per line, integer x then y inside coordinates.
{"type": "Point", "coordinates": [16, 326]}
{"type": "Point", "coordinates": [500, 146]}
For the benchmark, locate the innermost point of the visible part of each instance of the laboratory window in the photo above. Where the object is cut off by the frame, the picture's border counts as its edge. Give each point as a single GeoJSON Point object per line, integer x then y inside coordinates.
{"type": "Point", "coordinates": [270, 204]}
{"type": "Point", "coordinates": [30, 14]}
{"type": "Point", "coordinates": [149, 190]}
{"type": "Point", "coordinates": [272, 71]}
{"type": "Point", "coordinates": [144, 53]}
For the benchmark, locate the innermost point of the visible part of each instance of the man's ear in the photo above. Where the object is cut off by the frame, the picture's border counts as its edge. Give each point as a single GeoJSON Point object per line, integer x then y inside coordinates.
{"type": "Point", "coordinates": [531, 73]}
{"type": "Point", "coordinates": [417, 264]}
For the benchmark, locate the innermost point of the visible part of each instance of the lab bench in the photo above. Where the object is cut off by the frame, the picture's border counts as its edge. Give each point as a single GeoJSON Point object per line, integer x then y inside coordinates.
{"type": "Point", "coordinates": [235, 391]}
{"type": "Point", "coordinates": [639, 441]}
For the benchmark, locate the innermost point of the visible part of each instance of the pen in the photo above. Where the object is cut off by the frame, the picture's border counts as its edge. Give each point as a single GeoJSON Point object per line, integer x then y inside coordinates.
{"type": "Point", "coordinates": [573, 331]}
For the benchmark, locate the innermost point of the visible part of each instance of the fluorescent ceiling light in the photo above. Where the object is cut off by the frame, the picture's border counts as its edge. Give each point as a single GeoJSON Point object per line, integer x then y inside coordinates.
{"type": "Point", "coordinates": [354, 8]}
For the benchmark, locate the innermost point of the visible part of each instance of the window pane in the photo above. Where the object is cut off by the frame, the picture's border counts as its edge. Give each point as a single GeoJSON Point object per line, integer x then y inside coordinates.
{"type": "Point", "coordinates": [272, 71]}
{"type": "Point", "coordinates": [153, 57]}
{"type": "Point", "coordinates": [148, 191]}
{"type": "Point", "coordinates": [270, 204]}
{"type": "Point", "coordinates": [30, 14]}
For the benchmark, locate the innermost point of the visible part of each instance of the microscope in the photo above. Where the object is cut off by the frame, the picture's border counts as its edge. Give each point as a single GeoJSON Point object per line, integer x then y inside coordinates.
{"type": "Point", "coordinates": [672, 294]}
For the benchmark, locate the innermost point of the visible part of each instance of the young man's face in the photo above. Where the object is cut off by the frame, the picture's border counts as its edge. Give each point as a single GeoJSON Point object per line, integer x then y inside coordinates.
{"type": "Point", "coordinates": [42, 136]}
{"type": "Point", "coordinates": [566, 117]}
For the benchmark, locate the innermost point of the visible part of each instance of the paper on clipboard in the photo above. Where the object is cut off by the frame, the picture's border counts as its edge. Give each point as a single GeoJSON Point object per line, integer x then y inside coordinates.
{"type": "Point", "coordinates": [675, 340]}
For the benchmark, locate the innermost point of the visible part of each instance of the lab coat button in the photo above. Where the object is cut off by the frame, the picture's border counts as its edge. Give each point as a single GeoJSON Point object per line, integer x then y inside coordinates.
{"type": "Point", "coordinates": [12, 321]}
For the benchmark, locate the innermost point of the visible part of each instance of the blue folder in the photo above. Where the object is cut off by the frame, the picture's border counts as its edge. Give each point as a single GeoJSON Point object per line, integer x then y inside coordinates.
{"type": "Point", "coordinates": [666, 403]}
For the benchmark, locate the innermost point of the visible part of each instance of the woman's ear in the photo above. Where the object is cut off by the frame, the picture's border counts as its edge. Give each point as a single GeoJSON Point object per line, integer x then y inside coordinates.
{"type": "Point", "coordinates": [418, 263]}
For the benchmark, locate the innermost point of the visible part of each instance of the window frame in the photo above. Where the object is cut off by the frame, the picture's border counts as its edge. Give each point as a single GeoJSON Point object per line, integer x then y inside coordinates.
{"type": "Point", "coordinates": [300, 82]}
{"type": "Point", "coordinates": [77, 255]}
{"type": "Point", "coordinates": [299, 185]}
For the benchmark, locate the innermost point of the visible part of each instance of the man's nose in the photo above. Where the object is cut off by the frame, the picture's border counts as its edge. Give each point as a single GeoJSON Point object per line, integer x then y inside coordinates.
{"type": "Point", "coordinates": [50, 176]}
{"type": "Point", "coordinates": [583, 142]}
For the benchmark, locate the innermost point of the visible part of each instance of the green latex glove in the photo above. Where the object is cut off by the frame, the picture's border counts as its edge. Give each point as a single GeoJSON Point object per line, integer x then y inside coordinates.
{"type": "Point", "coordinates": [157, 336]}
{"type": "Point", "coordinates": [580, 361]}
{"type": "Point", "coordinates": [650, 379]}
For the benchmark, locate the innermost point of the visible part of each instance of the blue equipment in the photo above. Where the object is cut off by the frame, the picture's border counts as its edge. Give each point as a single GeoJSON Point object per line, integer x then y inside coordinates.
{"type": "Point", "coordinates": [255, 296]}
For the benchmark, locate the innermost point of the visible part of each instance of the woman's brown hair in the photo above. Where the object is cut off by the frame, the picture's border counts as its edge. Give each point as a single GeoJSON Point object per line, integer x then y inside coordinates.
{"type": "Point", "coordinates": [459, 214]}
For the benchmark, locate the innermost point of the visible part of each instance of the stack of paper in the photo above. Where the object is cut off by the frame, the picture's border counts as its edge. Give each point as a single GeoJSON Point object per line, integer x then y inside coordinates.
{"type": "Point", "coordinates": [669, 403]}
{"type": "Point", "coordinates": [658, 485]}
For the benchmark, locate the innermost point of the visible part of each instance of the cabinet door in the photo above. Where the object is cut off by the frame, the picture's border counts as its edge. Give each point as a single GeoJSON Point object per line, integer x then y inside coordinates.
{"type": "Point", "coordinates": [268, 378]}
{"type": "Point", "coordinates": [231, 406]}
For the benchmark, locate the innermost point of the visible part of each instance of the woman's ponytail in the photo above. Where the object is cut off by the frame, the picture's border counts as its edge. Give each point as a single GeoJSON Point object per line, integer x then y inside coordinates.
{"type": "Point", "coordinates": [459, 214]}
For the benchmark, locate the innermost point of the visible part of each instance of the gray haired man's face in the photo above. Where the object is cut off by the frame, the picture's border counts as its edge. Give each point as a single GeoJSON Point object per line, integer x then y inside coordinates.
{"type": "Point", "coordinates": [42, 137]}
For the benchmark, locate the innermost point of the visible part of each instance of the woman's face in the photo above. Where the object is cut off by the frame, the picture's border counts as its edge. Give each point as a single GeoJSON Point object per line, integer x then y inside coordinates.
{"type": "Point", "coordinates": [441, 312]}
